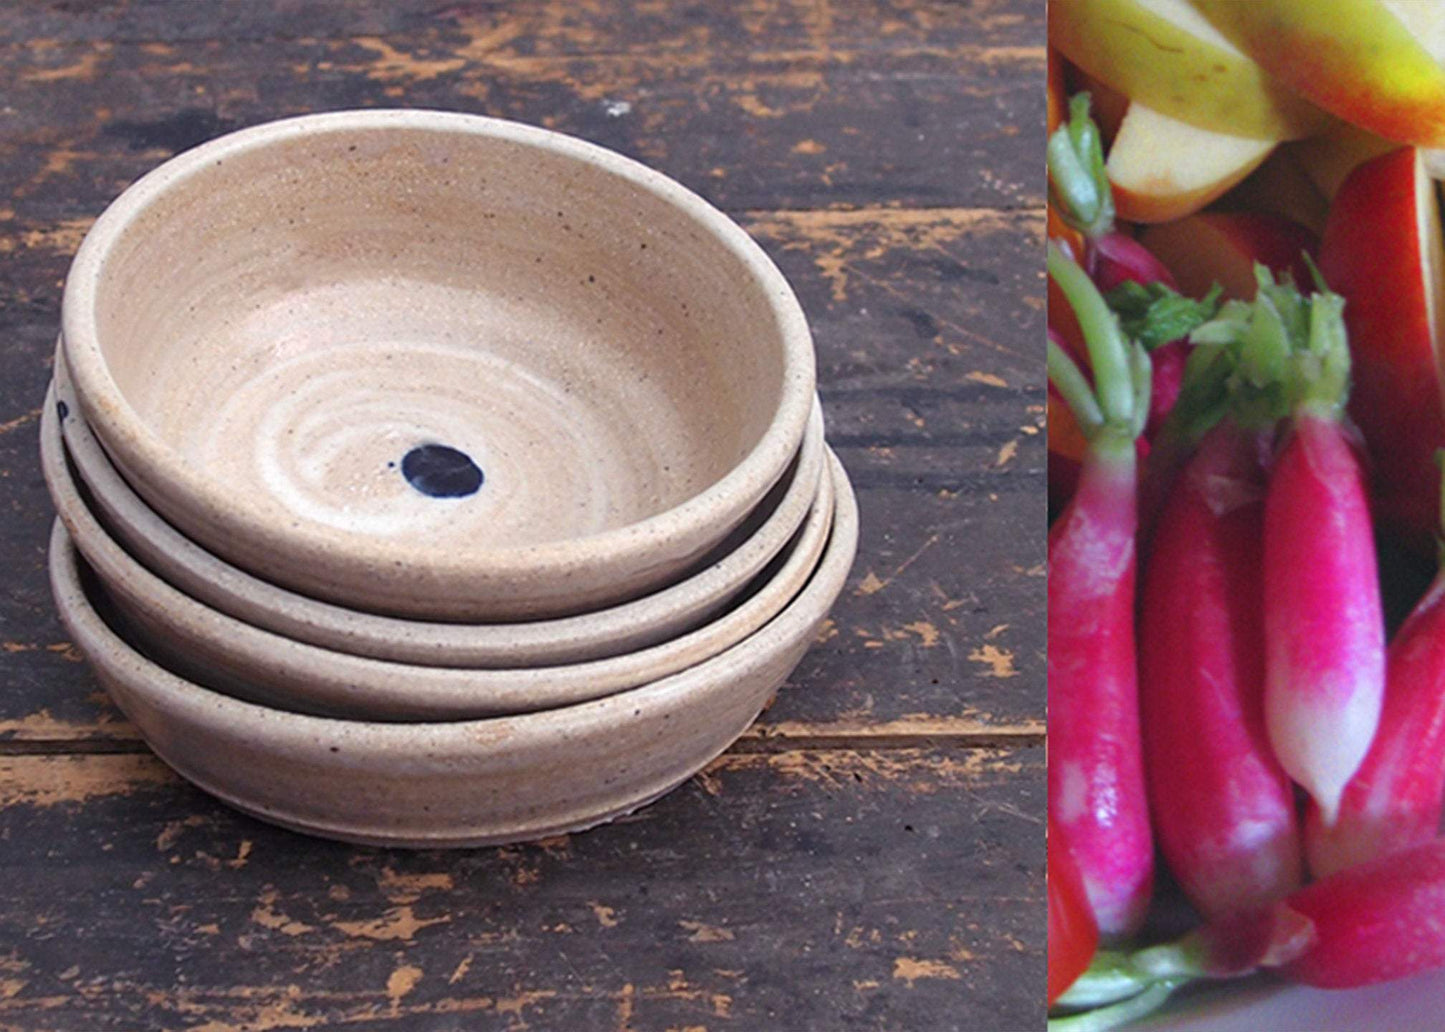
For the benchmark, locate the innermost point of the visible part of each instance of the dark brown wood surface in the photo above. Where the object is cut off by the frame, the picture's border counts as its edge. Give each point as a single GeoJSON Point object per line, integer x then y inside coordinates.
{"type": "Point", "coordinates": [871, 854]}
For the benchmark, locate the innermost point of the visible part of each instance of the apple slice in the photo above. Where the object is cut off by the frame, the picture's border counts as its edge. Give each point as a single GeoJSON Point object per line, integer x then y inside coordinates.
{"type": "Point", "coordinates": [1222, 247]}
{"type": "Point", "coordinates": [1382, 250]}
{"type": "Point", "coordinates": [1163, 53]}
{"type": "Point", "coordinates": [1280, 186]}
{"type": "Point", "coordinates": [1164, 169]}
{"type": "Point", "coordinates": [1358, 59]}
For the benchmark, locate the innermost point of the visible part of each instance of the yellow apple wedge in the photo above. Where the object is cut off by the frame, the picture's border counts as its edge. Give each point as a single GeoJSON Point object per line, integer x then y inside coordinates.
{"type": "Point", "coordinates": [1163, 169]}
{"type": "Point", "coordinates": [1163, 53]}
{"type": "Point", "coordinates": [1357, 59]}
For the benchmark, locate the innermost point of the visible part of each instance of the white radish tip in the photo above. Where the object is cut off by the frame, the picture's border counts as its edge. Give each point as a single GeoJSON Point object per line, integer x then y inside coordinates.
{"type": "Point", "coordinates": [1321, 741]}
{"type": "Point", "coordinates": [1329, 804]}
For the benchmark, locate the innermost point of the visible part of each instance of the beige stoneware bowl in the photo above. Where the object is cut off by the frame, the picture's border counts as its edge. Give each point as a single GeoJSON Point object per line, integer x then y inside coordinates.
{"type": "Point", "coordinates": [454, 784]}
{"type": "Point", "coordinates": [436, 365]}
{"type": "Point", "coordinates": [667, 613]}
{"type": "Point", "coordinates": [230, 655]}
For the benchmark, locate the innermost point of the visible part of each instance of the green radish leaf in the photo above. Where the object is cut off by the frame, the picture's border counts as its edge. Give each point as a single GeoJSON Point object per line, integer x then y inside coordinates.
{"type": "Point", "coordinates": [1155, 314]}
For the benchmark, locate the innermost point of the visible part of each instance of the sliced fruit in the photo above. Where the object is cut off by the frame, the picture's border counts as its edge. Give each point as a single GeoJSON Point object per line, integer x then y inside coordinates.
{"type": "Point", "coordinates": [1382, 250]}
{"type": "Point", "coordinates": [1354, 58]}
{"type": "Point", "coordinates": [1280, 186]}
{"type": "Point", "coordinates": [1164, 54]}
{"type": "Point", "coordinates": [1222, 247]}
{"type": "Point", "coordinates": [1164, 169]}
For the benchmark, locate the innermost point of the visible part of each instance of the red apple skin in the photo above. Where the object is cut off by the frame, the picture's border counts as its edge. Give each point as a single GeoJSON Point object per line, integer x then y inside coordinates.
{"type": "Point", "coordinates": [1222, 247]}
{"type": "Point", "coordinates": [1372, 255]}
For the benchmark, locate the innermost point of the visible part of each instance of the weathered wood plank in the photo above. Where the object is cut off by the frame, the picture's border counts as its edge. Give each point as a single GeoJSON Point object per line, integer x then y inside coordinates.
{"type": "Point", "coordinates": [927, 326]}
{"type": "Point", "coordinates": [801, 890]}
{"type": "Point", "coordinates": [952, 124]}
{"type": "Point", "coordinates": [539, 28]}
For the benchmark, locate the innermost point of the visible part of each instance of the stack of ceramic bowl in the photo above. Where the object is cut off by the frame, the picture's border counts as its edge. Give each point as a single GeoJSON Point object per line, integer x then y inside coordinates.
{"type": "Point", "coordinates": [428, 479]}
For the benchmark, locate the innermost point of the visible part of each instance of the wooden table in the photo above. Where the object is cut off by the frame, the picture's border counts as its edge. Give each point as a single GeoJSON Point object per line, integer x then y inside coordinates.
{"type": "Point", "coordinates": [871, 854]}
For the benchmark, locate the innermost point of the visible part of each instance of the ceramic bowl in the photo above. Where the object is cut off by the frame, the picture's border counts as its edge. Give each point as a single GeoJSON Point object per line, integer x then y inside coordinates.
{"type": "Point", "coordinates": [436, 365]}
{"type": "Point", "coordinates": [654, 618]}
{"type": "Point", "coordinates": [454, 784]}
{"type": "Point", "coordinates": [230, 655]}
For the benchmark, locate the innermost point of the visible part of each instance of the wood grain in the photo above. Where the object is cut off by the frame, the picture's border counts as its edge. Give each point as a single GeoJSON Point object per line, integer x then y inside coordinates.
{"type": "Point", "coordinates": [781, 105]}
{"type": "Point", "coordinates": [798, 889]}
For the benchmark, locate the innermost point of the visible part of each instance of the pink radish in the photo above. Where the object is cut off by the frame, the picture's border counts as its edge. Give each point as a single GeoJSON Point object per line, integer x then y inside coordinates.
{"type": "Point", "coordinates": [1096, 778]}
{"type": "Point", "coordinates": [1375, 922]}
{"type": "Point", "coordinates": [1395, 799]}
{"type": "Point", "coordinates": [1323, 619]}
{"type": "Point", "coordinates": [1222, 807]}
{"type": "Point", "coordinates": [1117, 258]}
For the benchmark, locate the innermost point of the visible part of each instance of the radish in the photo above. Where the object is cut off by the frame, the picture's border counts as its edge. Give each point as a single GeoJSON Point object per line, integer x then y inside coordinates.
{"type": "Point", "coordinates": [1227, 369]}
{"type": "Point", "coordinates": [1096, 777]}
{"type": "Point", "coordinates": [1323, 618]}
{"type": "Point", "coordinates": [1324, 622]}
{"type": "Point", "coordinates": [1222, 807]}
{"type": "Point", "coordinates": [1375, 922]}
{"type": "Point", "coordinates": [1394, 801]}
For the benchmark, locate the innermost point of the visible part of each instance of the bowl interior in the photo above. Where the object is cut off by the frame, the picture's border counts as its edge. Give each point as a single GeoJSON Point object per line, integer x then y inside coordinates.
{"type": "Point", "coordinates": [671, 611]}
{"type": "Point", "coordinates": [398, 330]}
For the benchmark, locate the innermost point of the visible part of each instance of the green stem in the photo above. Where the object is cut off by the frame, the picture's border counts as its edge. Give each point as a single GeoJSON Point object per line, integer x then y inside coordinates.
{"type": "Point", "coordinates": [1078, 182]}
{"type": "Point", "coordinates": [1108, 350]}
{"type": "Point", "coordinates": [1141, 372]}
{"type": "Point", "coordinates": [1072, 386]}
{"type": "Point", "coordinates": [1329, 347]}
{"type": "Point", "coordinates": [1111, 977]}
{"type": "Point", "coordinates": [1118, 1014]}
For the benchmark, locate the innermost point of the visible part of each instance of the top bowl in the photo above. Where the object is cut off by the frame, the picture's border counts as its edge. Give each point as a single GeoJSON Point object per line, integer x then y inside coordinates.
{"type": "Point", "coordinates": [436, 365]}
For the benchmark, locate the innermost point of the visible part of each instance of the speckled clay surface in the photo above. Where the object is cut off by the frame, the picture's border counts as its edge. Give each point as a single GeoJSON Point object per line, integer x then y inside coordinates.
{"type": "Point", "coordinates": [229, 655]}
{"type": "Point", "coordinates": [469, 783]}
{"type": "Point", "coordinates": [647, 621]}
{"type": "Point", "coordinates": [436, 365]}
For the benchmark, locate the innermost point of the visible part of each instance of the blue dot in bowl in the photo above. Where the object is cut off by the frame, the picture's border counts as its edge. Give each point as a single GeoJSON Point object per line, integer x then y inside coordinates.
{"type": "Point", "coordinates": [62, 410]}
{"type": "Point", "coordinates": [441, 471]}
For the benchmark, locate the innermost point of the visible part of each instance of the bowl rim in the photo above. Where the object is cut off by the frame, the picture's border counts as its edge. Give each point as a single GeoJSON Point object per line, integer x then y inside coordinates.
{"type": "Point", "coordinates": [312, 677]}
{"type": "Point", "coordinates": [232, 590]}
{"type": "Point", "coordinates": [147, 457]}
{"type": "Point", "coordinates": [502, 733]}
